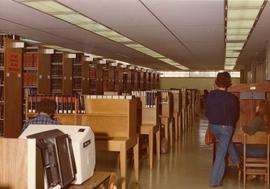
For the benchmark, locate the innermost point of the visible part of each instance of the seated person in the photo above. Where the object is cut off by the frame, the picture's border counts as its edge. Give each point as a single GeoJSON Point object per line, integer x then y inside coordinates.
{"type": "Point", "coordinates": [46, 109]}
{"type": "Point", "coordinates": [259, 123]}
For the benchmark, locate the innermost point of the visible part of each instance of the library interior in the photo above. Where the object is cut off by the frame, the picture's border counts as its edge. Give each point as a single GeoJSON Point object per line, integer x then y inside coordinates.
{"type": "Point", "coordinates": [134, 94]}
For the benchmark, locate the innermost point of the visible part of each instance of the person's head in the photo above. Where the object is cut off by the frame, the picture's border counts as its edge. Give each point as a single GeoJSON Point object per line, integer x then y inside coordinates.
{"type": "Point", "coordinates": [223, 80]}
{"type": "Point", "coordinates": [46, 106]}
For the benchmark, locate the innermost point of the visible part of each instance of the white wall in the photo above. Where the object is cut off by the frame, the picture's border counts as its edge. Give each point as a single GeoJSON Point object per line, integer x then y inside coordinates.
{"type": "Point", "coordinates": [197, 83]}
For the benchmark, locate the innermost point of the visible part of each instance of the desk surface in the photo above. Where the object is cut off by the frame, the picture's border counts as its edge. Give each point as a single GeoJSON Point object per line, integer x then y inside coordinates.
{"type": "Point", "coordinates": [95, 181]}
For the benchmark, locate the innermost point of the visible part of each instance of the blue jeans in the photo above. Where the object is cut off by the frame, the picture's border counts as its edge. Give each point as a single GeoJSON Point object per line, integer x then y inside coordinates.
{"type": "Point", "coordinates": [223, 134]}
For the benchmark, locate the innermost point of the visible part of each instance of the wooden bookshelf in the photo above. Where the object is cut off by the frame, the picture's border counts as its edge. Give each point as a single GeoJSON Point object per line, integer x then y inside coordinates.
{"type": "Point", "coordinates": [30, 70]}
{"type": "Point", "coordinates": [85, 76]}
{"type": "Point", "coordinates": [96, 77]}
{"type": "Point", "coordinates": [112, 77]}
{"type": "Point", "coordinates": [137, 79]}
{"type": "Point", "coordinates": [77, 74]}
{"type": "Point", "coordinates": [2, 82]}
{"type": "Point", "coordinates": [144, 80]}
{"type": "Point", "coordinates": [119, 79]}
{"type": "Point", "coordinates": [44, 72]}
{"type": "Point", "coordinates": [13, 93]}
{"type": "Point", "coordinates": [57, 73]}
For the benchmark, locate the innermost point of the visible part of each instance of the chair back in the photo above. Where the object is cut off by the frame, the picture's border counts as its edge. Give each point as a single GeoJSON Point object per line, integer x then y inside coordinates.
{"type": "Point", "coordinates": [256, 165]}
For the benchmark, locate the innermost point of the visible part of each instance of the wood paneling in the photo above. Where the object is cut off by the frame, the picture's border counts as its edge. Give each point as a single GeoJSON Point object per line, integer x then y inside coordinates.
{"type": "Point", "coordinates": [13, 163]}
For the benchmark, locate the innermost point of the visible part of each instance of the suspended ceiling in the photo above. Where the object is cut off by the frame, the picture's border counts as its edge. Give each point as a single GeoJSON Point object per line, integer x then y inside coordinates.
{"type": "Point", "coordinates": [190, 32]}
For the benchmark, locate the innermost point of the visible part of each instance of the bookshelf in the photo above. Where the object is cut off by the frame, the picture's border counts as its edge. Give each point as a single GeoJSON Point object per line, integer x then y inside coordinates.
{"type": "Point", "coordinates": [112, 76]}
{"type": "Point", "coordinates": [137, 79]}
{"type": "Point", "coordinates": [2, 85]}
{"type": "Point", "coordinates": [119, 79]}
{"type": "Point", "coordinates": [56, 73]}
{"type": "Point", "coordinates": [30, 70]}
{"type": "Point", "coordinates": [44, 71]}
{"type": "Point", "coordinates": [96, 77]}
{"type": "Point", "coordinates": [77, 74]}
{"type": "Point", "coordinates": [85, 76]}
{"type": "Point", "coordinates": [144, 80]}
{"type": "Point", "coordinates": [13, 93]}
{"type": "Point", "coordinates": [105, 77]}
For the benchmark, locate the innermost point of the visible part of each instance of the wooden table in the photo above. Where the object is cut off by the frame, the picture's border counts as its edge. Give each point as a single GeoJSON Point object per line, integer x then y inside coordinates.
{"type": "Point", "coordinates": [121, 145]}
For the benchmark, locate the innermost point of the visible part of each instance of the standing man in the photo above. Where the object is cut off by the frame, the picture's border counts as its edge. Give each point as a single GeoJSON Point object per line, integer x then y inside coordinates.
{"type": "Point", "coordinates": [222, 113]}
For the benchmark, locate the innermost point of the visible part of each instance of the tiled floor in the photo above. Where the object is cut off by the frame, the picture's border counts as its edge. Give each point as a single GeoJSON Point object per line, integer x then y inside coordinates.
{"type": "Point", "coordinates": [187, 166]}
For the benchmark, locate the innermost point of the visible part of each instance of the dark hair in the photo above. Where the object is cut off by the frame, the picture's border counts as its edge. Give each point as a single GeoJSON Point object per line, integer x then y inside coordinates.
{"type": "Point", "coordinates": [223, 80]}
{"type": "Point", "coordinates": [47, 106]}
{"type": "Point", "coordinates": [264, 110]}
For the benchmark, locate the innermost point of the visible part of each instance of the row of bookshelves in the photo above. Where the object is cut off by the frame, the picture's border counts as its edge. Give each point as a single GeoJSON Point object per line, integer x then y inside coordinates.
{"type": "Point", "coordinates": [39, 73]}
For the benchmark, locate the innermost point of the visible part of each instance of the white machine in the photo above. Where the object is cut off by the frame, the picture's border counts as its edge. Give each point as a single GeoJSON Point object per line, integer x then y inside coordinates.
{"type": "Point", "coordinates": [83, 143]}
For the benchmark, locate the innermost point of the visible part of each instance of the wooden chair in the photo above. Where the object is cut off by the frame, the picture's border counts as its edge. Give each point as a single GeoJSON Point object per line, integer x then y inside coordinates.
{"type": "Point", "coordinates": [256, 165]}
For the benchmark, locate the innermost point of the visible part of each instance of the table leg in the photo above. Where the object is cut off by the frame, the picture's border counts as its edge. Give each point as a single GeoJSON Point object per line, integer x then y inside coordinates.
{"type": "Point", "coordinates": [136, 160]}
{"type": "Point", "coordinates": [158, 143]}
{"type": "Point", "coordinates": [151, 143]}
{"type": "Point", "coordinates": [123, 165]}
{"type": "Point", "coordinates": [166, 128]}
{"type": "Point", "coordinates": [171, 132]}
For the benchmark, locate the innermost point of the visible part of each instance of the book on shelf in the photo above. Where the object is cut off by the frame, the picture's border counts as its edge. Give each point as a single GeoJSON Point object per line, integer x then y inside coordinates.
{"type": "Point", "coordinates": [65, 104]}
{"type": "Point", "coordinates": [56, 58]}
{"type": "Point", "coordinates": [30, 78]}
{"type": "Point", "coordinates": [30, 59]}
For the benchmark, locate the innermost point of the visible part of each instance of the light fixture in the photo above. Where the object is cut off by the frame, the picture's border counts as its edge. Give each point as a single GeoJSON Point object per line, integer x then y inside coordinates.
{"type": "Point", "coordinates": [29, 40]}
{"type": "Point", "coordinates": [60, 11]}
{"type": "Point", "coordinates": [236, 37]}
{"type": "Point", "coordinates": [237, 31]}
{"type": "Point", "coordinates": [246, 24]}
{"type": "Point", "coordinates": [232, 54]}
{"type": "Point", "coordinates": [242, 14]}
{"type": "Point", "coordinates": [241, 17]}
{"type": "Point", "coordinates": [245, 4]}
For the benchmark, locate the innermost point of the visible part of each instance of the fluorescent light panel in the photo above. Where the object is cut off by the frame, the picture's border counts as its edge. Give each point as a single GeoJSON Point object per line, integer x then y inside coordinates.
{"type": "Point", "coordinates": [247, 24]}
{"type": "Point", "coordinates": [242, 14]}
{"type": "Point", "coordinates": [238, 31]}
{"type": "Point", "coordinates": [48, 6]}
{"type": "Point", "coordinates": [228, 67]}
{"type": "Point", "coordinates": [244, 4]}
{"type": "Point", "coordinates": [232, 54]}
{"type": "Point", "coordinates": [230, 61]}
{"type": "Point", "coordinates": [236, 37]}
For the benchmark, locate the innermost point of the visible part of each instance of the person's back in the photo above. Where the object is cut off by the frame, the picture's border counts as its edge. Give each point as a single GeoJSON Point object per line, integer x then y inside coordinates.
{"type": "Point", "coordinates": [221, 108]}
{"type": "Point", "coordinates": [46, 109]}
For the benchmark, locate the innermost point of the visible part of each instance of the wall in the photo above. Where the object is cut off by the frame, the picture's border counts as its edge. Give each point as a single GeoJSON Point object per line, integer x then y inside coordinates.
{"type": "Point", "coordinates": [197, 83]}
